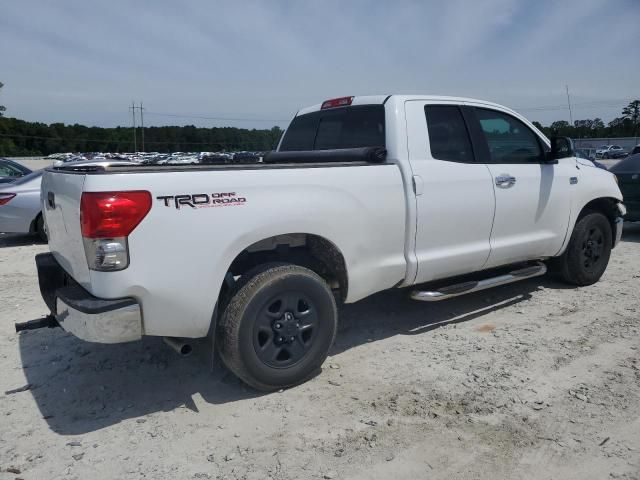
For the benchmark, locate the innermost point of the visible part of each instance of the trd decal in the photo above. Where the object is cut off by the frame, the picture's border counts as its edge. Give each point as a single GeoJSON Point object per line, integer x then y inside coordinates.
{"type": "Point", "coordinates": [202, 200]}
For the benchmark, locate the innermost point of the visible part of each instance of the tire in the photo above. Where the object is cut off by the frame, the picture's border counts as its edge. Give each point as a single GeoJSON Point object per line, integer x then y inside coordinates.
{"type": "Point", "coordinates": [278, 327]}
{"type": "Point", "coordinates": [588, 252]}
{"type": "Point", "coordinates": [41, 231]}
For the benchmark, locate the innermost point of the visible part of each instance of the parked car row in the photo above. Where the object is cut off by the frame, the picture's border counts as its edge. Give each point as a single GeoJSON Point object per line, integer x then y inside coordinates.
{"type": "Point", "coordinates": [154, 158]}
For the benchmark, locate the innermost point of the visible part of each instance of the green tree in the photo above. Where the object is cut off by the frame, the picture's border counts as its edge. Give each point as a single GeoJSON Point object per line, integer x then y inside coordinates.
{"type": "Point", "coordinates": [632, 112]}
{"type": "Point", "coordinates": [2, 107]}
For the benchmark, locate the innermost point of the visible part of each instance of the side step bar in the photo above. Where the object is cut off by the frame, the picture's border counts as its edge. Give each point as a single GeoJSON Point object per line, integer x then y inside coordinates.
{"type": "Point", "coordinates": [475, 286]}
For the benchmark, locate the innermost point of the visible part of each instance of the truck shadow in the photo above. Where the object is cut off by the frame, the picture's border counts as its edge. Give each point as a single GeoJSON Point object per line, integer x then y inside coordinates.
{"type": "Point", "coordinates": [82, 387]}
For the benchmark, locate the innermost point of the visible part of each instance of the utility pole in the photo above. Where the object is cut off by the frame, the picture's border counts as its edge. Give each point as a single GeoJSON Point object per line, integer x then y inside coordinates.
{"type": "Point", "coordinates": [142, 124]}
{"type": "Point", "coordinates": [569, 103]}
{"type": "Point", "coordinates": [133, 116]}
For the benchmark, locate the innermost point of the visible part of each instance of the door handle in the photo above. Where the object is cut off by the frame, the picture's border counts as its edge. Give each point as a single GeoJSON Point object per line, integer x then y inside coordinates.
{"type": "Point", "coordinates": [505, 180]}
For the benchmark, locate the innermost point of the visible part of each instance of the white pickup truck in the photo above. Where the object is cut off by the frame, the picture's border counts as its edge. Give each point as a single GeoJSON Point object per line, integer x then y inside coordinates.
{"type": "Point", "coordinates": [363, 194]}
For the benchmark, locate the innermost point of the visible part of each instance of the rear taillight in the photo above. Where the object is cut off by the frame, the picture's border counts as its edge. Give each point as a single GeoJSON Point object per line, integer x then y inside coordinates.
{"type": "Point", "coordinates": [6, 197]}
{"type": "Point", "coordinates": [337, 102]}
{"type": "Point", "coordinates": [106, 219]}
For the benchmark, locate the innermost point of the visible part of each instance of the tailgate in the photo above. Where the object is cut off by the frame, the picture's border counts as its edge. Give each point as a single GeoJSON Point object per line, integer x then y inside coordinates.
{"type": "Point", "coordinates": [61, 193]}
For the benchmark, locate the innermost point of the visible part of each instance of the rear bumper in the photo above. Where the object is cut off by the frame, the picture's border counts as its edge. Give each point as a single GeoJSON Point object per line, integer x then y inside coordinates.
{"type": "Point", "coordinates": [83, 315]}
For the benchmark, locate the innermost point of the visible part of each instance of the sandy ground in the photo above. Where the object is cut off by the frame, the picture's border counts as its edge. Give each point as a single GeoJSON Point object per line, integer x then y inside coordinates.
{"type": "Point", "coordinates": [532, 380]}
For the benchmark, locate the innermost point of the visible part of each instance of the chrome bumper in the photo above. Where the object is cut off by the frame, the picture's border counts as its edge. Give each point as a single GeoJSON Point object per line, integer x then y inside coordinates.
{"type": "Point", "coordinates": [109, 326]}
{"type": "Point", "coordinates": [78, 312]}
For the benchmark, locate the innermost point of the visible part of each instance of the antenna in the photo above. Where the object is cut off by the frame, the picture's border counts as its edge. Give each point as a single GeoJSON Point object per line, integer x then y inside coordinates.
{"type": "Point", "coordinates": [569, 103]}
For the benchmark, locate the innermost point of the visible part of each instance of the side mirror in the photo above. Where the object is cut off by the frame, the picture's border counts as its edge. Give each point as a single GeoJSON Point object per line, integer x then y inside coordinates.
{"type": "Point", "coordinates": [561, 147]}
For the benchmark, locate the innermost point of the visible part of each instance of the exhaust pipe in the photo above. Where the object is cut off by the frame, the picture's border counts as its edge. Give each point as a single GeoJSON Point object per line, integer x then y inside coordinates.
{"type": "Point", "coordinates": [183, 348]}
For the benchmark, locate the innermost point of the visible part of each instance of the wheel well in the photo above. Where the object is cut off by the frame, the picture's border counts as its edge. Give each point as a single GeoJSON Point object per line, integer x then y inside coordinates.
{"type": "Point", "coordinates": [606, 205]}
{"type": "Point", "coordinates": [311, 251]}
{"type": "Point", "coordinates": [33, 228]}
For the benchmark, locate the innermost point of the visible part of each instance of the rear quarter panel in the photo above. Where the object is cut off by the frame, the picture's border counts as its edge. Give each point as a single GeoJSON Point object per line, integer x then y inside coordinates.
{"type": "Point", "coordinates": [179, 256]}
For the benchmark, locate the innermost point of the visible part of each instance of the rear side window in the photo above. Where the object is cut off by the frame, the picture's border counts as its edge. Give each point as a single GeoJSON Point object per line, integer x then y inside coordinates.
{"type": "Point", "coordinates": [448, 136]}
{"type": "Point", "coordinates": [509, 140]}
{"type": "Point", "coordinates": [349, 127]}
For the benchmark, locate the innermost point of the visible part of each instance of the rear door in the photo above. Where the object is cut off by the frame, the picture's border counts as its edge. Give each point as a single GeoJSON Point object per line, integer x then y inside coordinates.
{"type": "Point", "coordinates": [533, 198]}
{"type": "Point", "coordinates": [61, 194]}
{"type": "Point", "coordinates": [454, 194]}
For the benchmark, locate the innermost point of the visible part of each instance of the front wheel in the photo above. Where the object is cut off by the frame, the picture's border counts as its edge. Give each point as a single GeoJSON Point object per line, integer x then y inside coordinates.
{"type": "Point", "coordinates": [588, 252]}
{"type": "Point", "coordinates": [278, 326]}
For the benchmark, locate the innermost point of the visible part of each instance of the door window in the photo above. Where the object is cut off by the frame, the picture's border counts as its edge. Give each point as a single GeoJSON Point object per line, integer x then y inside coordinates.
{"type": "Point", "coordinates": [509, 140]}
{"type": "Point", "coordinates": [448, 136]}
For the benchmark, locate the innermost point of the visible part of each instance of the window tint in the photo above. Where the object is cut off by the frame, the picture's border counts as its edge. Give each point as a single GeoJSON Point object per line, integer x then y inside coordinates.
{"type": "Point", "coordinates": [301, 133]}
{"type": "Point", "coordinates": [510, 140]}
{"type": "Point", "coordinates": [349, 127]}
{"type": "Point", "coordinates": [448, 136]}
{"type": "Point", "coordinates": [8, 170]}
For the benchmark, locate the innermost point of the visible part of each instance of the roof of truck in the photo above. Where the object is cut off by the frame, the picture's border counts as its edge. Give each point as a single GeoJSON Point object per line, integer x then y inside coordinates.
{"type": "Point", "coordinates": [381, 99]}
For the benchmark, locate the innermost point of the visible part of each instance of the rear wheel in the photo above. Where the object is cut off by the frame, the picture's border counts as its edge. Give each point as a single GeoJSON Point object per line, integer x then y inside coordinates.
{"type": "Point", "coordinates": [587, 255]}
{"type": "Point", "coordinates": [278, 326]}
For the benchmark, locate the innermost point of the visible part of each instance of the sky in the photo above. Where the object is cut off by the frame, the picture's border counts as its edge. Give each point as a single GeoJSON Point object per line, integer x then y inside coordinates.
{"type": "Point", "coordinates": [255, 63]}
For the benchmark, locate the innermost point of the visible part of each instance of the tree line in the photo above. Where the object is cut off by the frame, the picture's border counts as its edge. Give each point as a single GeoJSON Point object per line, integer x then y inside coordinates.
{"type": "Point", "coordinates": [626, 125]}
{"type": "Point", "coordinates": [18, 137]}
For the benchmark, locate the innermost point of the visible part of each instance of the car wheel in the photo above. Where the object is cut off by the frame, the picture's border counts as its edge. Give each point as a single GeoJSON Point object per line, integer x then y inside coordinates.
{"type": "Point", "coordinates": [41, 230]}
{"type": "Point", "coordinates": [588, 252]}
{"type": "Point", "coordinates": [278, 326]}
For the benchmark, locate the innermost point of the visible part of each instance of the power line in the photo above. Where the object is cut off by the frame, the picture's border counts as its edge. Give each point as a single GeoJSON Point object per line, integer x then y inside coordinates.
{"type": "Point", "coordinates": [206, 117]}
{"type": "Point", "coordinates": [133, 114]}
{"type": "Point", "coordinates": [142, 124]}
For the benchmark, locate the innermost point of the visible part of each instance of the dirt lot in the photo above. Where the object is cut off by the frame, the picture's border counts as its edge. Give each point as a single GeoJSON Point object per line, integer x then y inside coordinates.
{"type": "Point", "coordinates": [533, 380]}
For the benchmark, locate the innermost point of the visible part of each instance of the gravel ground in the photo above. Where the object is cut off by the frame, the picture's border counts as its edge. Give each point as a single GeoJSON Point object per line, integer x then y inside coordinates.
{"type": "Point", "coordinates": [532, 380]}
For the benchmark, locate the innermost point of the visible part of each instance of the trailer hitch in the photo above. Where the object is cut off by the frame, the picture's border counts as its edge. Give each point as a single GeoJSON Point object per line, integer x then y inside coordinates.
{"type": "Point", "coordinates": [45, 322]}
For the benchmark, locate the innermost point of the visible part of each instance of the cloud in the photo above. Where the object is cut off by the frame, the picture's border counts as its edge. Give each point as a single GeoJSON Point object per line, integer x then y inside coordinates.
{"type": "Point", "coordinates": [76, 61]}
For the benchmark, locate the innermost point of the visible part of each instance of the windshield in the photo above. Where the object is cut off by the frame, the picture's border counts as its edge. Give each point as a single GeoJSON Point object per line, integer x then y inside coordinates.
{"type": "Point", "coordinates": [12, 169]}
{"type": "Point", "coordinates": [347, 127]}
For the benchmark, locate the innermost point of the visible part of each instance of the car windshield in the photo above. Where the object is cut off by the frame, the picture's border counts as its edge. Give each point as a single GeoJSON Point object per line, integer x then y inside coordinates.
{"type": "Point", "coordinates": [28, 177]}
{"type": "Point", "coordinates": [631, 164]}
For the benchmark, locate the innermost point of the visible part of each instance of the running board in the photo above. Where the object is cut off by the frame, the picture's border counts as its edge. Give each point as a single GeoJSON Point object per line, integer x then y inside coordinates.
{"type": "Point", "coordinates": [475, 286]}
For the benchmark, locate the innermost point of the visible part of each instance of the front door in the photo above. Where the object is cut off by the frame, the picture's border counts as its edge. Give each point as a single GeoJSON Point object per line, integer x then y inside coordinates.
{"type": "Point", "coordinates": [533, 198]}
{"type": "Point", "coordinates": [454, 193]}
